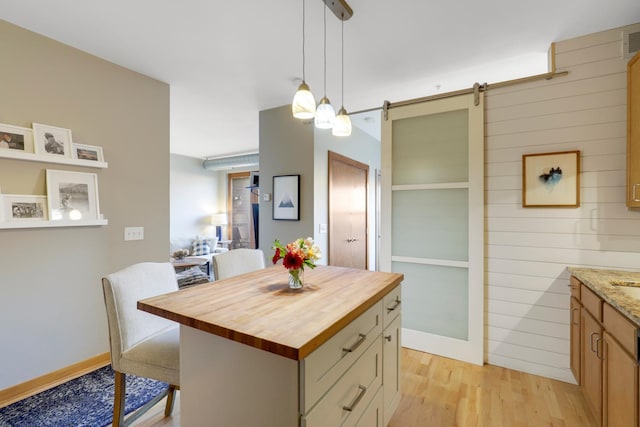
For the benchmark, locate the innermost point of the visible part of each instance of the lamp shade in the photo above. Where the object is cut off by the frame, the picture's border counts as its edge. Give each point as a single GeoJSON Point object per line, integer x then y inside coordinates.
{"type": "Point", "coordinates": [342, 124]}
{"type": "Point", "coordinates": [304, 104]}
{"type": "Point", "coordinates": [325, 114]}
{"type": "Point", "coordinates": [219, 219]}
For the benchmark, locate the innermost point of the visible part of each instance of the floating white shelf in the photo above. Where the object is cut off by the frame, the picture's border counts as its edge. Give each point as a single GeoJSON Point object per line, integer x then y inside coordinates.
{"type": "Point", "coordinates": [49, 224]}
{"type": "Point", "coordinates": [21, 155]}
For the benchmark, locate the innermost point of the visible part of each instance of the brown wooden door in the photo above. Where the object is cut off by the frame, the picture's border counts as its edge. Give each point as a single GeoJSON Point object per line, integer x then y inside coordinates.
{"type": "Point", "coordinates": [347, 212]}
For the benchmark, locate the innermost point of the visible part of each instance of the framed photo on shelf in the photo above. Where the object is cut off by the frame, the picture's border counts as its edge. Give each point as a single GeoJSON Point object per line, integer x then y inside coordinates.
{"type": "Point", "coordinates": [286, 197]}
{"type": "Point", "coordinates": [87, 152]}
{"type": "Point", "coordinates": [551, 180]}
{"type": "Point", "coordinates": [51, 140]}
{"type": "Point", "coordinates": [72, 196]}
{"type": "Point", "coordinates": [16, 138]}
{"type": "Point", "coordinates": [17, 207]}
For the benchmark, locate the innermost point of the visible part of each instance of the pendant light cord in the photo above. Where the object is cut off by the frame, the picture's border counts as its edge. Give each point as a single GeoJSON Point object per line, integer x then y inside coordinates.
{"type": "Point", "coordinates": [342, 60]}
{"type": "Point", "coordinates": [325, 51]}
{"type": "Point", "coordinates": [303, 14]}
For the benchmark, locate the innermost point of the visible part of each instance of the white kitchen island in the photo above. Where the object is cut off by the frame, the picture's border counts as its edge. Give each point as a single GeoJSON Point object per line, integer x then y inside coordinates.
{"type": "Point", "coordinates": [255, 353]}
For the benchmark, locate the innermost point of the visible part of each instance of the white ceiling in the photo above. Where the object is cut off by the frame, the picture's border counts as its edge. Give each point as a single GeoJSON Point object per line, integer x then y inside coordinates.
{"type": "Point", "coordinates": [226, 61]}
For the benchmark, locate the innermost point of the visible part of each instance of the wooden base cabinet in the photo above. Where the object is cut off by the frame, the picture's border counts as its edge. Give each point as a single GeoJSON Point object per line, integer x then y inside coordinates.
{"type": "Point", "coordinates": [607, 344]}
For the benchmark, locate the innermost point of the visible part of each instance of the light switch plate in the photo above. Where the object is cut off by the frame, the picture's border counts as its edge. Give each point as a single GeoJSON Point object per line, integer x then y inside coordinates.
{"type": "Point", "coordinates": [134, 233]}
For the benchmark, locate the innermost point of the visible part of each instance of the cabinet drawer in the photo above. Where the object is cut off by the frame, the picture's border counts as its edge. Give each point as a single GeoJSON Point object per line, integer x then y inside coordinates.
{"type": "Point", "coordinates": [355, 390]}
{"type": "Point", "coordinates": [322, 368]}
{"type": "Point", "coordinates": [591, 302]}
{"type": "Point", "coordinates": [619, 327]}
{"type": "Point", "coordinates": [574, 286]}
{"type": "Point", "coordinates": [392, 306]}
{"type": "Point", "coordinates": [372, 416]}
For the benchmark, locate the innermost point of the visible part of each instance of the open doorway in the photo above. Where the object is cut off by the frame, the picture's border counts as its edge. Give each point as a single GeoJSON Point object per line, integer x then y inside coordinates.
{"type": "Point", "coordinates": [242, 206]}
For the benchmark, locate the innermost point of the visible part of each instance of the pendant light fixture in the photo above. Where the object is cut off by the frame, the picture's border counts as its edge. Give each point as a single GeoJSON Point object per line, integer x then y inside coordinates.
{"type": "Point", "coordinates": [342, 123]}
{"type": "Point", "coordinates": [325, 114]}
{"type": "Point", "coordinates": [304, 104]}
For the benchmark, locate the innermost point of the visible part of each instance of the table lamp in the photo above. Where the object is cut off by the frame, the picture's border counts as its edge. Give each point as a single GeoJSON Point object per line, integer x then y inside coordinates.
{"type": "Point", "coordinates": [219, 219]}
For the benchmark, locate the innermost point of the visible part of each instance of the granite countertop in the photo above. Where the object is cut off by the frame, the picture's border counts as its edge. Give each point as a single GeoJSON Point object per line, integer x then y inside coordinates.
{"type": "Point", "coordinates": [599, 281]}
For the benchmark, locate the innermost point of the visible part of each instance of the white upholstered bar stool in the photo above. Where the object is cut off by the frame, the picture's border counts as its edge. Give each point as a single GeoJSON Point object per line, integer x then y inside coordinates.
{"type": "Point", "coordinates": [237, 261]}
{"type": "Point", "coordinates": [141, 344]}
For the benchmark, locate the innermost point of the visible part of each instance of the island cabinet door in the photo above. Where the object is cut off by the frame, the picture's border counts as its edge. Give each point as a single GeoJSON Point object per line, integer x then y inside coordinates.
{"type": "Point", "coordinates": [391, 368]}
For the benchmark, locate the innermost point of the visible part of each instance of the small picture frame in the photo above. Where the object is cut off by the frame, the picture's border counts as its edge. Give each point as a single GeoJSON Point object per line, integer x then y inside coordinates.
{"type": "Point", "coordinates": [18, 207]}
{"type": "Point", "coordinates": [87, 152]}
{"type": "Point", "coordinates": [16, 138]}
{"type": "Point", "coordinates": [286, 197]}
{"type": "Point", "coordinates": [551, 180]}
{"type": "Point", "coordinates": [72, 196]}
{"type": "Point", "coordinates": [51, 140]}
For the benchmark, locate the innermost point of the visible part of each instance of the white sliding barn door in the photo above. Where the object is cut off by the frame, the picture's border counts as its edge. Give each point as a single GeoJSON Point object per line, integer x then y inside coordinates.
{"type": "Point", "coordinates": [432, 184]}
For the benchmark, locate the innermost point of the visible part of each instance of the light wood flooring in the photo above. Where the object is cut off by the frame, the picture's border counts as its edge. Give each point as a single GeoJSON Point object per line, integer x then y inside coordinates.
{"type": "Point", "coordinates": [441, 392]}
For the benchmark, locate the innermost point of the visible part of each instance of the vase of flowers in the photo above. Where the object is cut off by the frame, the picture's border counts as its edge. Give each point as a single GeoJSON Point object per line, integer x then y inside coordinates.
{"type": "Point", "coordinates": [295, 257]}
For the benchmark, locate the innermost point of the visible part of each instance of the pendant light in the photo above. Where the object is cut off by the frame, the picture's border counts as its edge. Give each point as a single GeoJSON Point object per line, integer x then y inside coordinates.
{"type": "Point", "coordinates": [342, 123]}
{"type": "Point", "coordinates": [325, 114]}
{"type": "Point", "coordinates": [304, 104]}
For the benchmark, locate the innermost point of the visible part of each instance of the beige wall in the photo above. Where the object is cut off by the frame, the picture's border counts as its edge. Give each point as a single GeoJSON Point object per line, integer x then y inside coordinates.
{"type": "Point", "coordinates": [51, 308]}
{"type": "Point", "coordinates": [528, 250]}
{"type": "Point", "coordinates": [286, 148]}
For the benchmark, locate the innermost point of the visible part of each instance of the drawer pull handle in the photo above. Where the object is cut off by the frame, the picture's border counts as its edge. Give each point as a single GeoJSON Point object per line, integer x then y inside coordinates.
{"type": "Point", "coordinates": [573, 318]}
{"type": "Point", "coordinates": [388, 338]}
{"type": "Point", "coordinates": [591, 340]}
{"type": "Point", "coordinates": [397, 303]}
{"type": "Point", "coordinates": [598, 347]}
{"type": "Point", "coordinates": [361, 392]}
{"type": "Point", "coordinates": [361, 338]}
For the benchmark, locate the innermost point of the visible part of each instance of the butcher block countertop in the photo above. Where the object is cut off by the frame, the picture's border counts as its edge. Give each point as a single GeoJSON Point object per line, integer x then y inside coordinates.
{"type": "Point", "coordinates": [259, 309]}
{"type": "Point", "coordinates": [601, 282]}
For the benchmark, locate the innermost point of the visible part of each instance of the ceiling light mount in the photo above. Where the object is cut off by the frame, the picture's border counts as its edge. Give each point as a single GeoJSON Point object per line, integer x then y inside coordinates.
{"type": "Point", "coordinates": [340, 8]}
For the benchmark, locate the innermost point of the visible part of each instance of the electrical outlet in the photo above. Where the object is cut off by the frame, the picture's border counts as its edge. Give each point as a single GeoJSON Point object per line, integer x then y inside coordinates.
{"type": "Point", "coordinates": [134, 233]}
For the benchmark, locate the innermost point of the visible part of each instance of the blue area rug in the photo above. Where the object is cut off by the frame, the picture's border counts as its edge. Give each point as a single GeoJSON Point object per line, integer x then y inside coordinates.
{"type": "Point", "coordinates": [84, 401]}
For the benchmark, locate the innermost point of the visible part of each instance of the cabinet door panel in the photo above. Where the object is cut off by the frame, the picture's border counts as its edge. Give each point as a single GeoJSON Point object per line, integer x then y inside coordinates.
{"type": "Point", "coordinates": [391, 368]}
{"type": "Point", "coordinates": [591, 365]}
{"type": "Point", "coordinates": [620, 386]}
{"type": "Point", "coordinates": [575, 338]}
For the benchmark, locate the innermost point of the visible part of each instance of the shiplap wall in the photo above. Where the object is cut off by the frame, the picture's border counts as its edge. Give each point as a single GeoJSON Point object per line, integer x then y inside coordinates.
{"type": "Point", "coordinates": [528, 250]}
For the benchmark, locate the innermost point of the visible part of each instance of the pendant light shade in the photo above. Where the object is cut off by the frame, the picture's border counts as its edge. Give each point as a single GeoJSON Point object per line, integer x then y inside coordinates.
{"type": "Point", "coordinates": [325, 114]}
{"type": "Point", "coordinates": [342, 124]}
{"type": "Point", "coordinates": [304, 104]}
